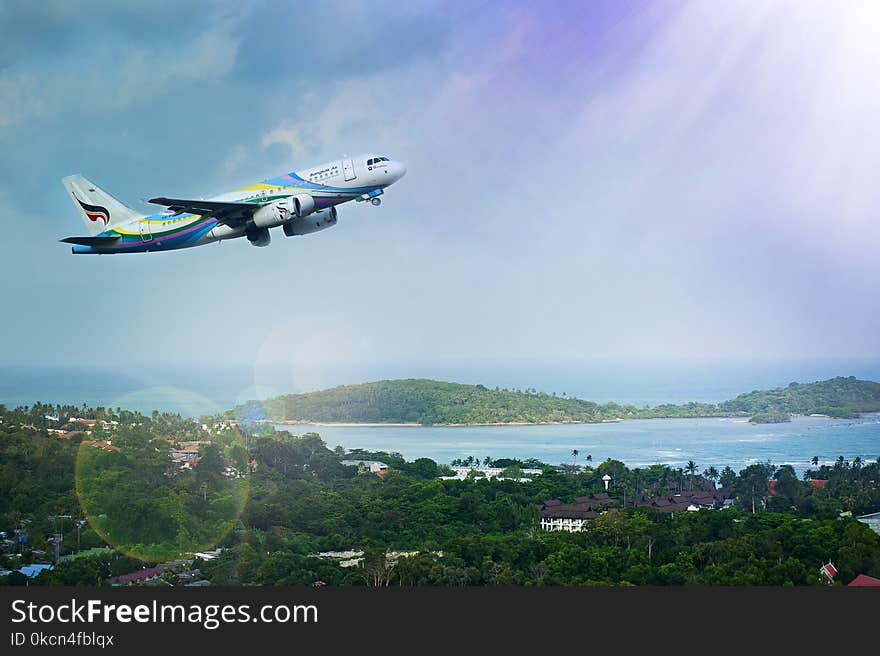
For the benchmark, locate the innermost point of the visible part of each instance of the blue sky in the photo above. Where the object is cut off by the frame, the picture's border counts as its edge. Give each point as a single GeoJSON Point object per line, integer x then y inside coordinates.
{"type": "Point", "coordinates": [588, 182]}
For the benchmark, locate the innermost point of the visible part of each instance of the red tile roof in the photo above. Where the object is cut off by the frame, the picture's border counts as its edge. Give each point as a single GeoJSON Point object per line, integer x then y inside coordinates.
{"type": "Point", "coordinates": [863, 580]}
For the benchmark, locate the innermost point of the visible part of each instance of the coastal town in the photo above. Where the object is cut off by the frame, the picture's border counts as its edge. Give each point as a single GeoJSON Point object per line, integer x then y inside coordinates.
{"type": "Point", "coordinates": [202, 462]}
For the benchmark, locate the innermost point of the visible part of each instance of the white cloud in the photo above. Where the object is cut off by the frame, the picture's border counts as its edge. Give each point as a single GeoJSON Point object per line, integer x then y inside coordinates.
{"type": "Point", "coordinates": [287, 135]}
{"type": "Point", "coordinates": [99, 75]}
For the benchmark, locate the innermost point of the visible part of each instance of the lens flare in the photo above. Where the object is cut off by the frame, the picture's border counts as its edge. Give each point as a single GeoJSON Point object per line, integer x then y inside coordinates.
{"type": "Point", "coordinates": [161, 485]}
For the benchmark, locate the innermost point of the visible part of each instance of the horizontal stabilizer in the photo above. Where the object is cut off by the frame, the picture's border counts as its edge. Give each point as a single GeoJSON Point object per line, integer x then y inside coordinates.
{"type": "Point", "coordinates": [92, 241]}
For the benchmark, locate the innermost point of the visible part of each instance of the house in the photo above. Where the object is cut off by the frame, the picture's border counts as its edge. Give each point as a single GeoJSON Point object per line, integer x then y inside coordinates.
{"type": "Point", "coordinates": [684, 502]}
{"type": "Point", "coordinates": [373, 466]}
{"type": "Point", "coordinates": [573, 517]}
{"type": "Point", "coordinates": [140, 576]}
{"type": "Point", "coordinates": [864, 581]}
{"type": "Point", "coordinates": [872, 520]}
{"type": "Point", "coordinates": [32, 571]}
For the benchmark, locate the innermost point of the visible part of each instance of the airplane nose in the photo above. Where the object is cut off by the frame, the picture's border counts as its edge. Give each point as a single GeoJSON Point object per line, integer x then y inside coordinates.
{"type": "Point", "coordinates": [399, 171]}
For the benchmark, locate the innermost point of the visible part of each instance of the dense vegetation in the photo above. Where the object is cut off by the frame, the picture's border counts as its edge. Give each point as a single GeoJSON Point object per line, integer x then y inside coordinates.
{"type": "Point", "coordinates": [429, 402]}
{"type": "Point", "coordinates": [144, 505]}
{"type": "Point", "coordinates": [302, 501]}
{"type": "Point", "coordinates": [485, 532]}
{"type": "Point", "coordinates": [134, 497]}
{"type": "Point", "coordinates": [433, 402]}
{"type": "Point", "coordinates": [837, 397]}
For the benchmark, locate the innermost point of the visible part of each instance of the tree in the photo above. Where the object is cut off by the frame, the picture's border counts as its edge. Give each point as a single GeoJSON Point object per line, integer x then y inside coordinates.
{"type": "Point", "coordinates": [376, 572]}
{"type": "Point", "coordinates": [814, 460]}
{"type": "Point", "coordinates": [690, 468]}
{"type": "Point", "coordinates": [727, 478]}
{"type": "Point", "coordinates": [752, 484]}
{"type": "Point", "coordinates": [513, 472]}
{"type": "Point", "coordinates": [574, 455]}
{"type": "Point", "coordinates": [712, 474]}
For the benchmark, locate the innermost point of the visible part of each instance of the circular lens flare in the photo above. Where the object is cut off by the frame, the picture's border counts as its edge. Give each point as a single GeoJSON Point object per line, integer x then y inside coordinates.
{"type": "Point", "coordinates": [161, 485]}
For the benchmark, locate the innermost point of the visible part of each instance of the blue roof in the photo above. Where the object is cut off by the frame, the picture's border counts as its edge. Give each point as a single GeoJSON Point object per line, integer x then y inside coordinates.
{"type": "Point", "coordinates": [31, 571]}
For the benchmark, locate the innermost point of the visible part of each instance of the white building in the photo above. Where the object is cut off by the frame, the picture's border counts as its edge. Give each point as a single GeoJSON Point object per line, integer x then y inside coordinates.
{"type": "Point", "coordinates": [461, 473]}
{"type": "Point", "coordinates": [573, 517]}
{"type": "Point", "coordinates": [374, 466]}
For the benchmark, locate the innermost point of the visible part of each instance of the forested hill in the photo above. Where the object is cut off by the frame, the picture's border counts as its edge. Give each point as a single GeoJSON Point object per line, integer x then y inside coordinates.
{"type": "Point", "coordinates": [426, 402]}
{"type": "Point", "coordinates": [423, 401]}
{"type": "Point", "coordinates": [838, 397]}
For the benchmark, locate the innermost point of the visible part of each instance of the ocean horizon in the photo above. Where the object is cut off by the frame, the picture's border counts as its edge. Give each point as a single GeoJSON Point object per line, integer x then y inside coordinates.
{"type": "Point", "coordinates": [196, 391]}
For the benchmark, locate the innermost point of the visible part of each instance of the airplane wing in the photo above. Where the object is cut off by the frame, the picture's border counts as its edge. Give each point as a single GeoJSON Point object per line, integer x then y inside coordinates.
{"type": "Point", "coordinates": [92, 241]}
{"type": "Point", "coordinates": [223, 211]}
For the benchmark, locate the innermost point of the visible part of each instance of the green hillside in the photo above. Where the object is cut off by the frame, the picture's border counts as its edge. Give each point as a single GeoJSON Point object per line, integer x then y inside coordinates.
{"type": "Point", "coordinates": [837, 397]}
{"type": "Point", "coordinates": [428, 402]}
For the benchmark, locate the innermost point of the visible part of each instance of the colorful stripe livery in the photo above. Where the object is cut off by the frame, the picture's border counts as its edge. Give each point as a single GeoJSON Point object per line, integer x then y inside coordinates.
{"type": "Point", "coordinates": [326, 186]}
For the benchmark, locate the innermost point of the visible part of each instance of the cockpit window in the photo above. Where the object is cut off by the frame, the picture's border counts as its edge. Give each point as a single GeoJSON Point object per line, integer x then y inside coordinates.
{"type": "Point", "coordinates": [370, 161]}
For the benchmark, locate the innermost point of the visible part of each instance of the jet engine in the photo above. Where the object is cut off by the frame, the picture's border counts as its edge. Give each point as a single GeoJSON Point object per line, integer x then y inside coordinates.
{"type": "Point", "coordinates": [283, 210]}
{"type": "Point", "coordinates": [258, 236]}
{"type": "Point", "coordinates": [312, 223]}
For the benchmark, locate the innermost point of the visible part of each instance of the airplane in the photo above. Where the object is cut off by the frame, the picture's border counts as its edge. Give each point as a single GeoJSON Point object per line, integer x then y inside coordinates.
{"type": "Point", "coordinates": [300, 203]}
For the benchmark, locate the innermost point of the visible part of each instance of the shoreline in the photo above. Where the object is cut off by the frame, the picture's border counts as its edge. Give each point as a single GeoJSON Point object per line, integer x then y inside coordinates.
{"type": "Point", "coordinates": [351, 424]}
{"type": "Point", "coordinates": [740, 418]}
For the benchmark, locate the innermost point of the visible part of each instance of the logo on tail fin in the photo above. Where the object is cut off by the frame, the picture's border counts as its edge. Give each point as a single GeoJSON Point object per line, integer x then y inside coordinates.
{"type": "Point", "coordinates": [95, 212]}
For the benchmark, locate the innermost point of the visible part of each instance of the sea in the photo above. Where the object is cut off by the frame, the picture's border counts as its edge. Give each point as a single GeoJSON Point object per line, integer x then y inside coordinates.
{"type": "Point", "coordinates": [712, 441]}
{"type": "Point", "coordinates": [195, 391]}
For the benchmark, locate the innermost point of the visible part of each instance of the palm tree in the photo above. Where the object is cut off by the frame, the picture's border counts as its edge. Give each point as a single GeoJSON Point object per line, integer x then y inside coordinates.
{"type": "Point", "coordinates": [574, 455]}
{"type": "Point", "coordinates": [712, 474]}
{"type": "Point", "coordinates": [590, 458]}
{"type": "Point", "coordinates": [690, 468]}
{"type": "Point", "coordinates": [814, 461]}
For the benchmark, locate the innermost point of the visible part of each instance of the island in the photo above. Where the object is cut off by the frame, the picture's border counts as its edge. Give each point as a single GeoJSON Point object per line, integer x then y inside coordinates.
{"type": "Point", "coordinates": [437, 403]}
{"type": "Point", "coordinates": [770, 418]}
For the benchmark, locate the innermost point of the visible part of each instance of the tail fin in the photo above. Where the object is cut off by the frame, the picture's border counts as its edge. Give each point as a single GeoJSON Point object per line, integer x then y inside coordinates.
{"type": "Point", "coordinates": [98, 208]}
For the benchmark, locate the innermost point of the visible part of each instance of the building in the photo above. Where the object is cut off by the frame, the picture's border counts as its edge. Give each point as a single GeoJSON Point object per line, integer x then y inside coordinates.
{"type": "Point", "coordinates": [865, 581]}
{"type": "Point", "coordinates": [461, 473]}
{"type": "Point", "coordinates": [573, 517]}
{"type": "Point", "coordinates": [373, 466]}
{"type": "Point", "coordinates": [32, 571]}
{"type": "Point", "coordinates": [141, 576]}
{"type": "Point", "coordinates": [872, 520]}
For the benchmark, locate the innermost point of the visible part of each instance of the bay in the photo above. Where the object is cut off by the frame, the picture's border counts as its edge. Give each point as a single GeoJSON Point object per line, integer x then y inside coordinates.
{"type": "Point", "coordinates": [638, 443]}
